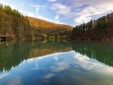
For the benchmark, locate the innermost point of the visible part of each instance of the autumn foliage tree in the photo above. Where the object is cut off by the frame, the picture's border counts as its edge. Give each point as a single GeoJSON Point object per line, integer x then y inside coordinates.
{"type": "Point", "coordinates": [16, 26]}
{"type": "Point", "coordinates": [13, 24]}
{"type": "Point", "coordinates": [49, 29]}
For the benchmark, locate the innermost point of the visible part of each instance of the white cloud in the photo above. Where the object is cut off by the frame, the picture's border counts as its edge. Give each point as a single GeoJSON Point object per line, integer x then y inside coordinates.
{"type": "Point", "coordinates": [92, 64]}
{"type": "Point", "coordinates": [57, 17]}
{"type": "Point", "coordinates": [77, 11]}
{"type": "Point", "coordinates": [82, 19]}
{"type": "Point", "coordinates": [82, 11]}
{"type": "Point", "coordinates": [48, 76]}
{"type": "Point", "coordinates": [38, 8]}
{"type": "Point", "coordinates": [4, 75]}
{"type": "Point", "coordinates": [36, 14]}
{"type": "Point", "coordinates": [47, 19]}
{"type": "Point", "coordinates": [52, 0]}
{"type": "Point", "coordinates": [15, 81]}
{"type": "Point", "coordinates": [61, 66]}
{"type": "Point", "coordinates": [89, 12]}
{"type": "Point", "coordinates": [61, 9]}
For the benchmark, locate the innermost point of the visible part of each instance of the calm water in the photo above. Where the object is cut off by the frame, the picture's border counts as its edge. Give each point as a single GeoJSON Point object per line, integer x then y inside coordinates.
{"type": "Point", "coordinates": [56, 63]}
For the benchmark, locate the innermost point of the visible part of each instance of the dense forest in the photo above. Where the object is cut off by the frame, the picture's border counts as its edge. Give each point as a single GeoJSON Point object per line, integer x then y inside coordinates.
{"type": "Point", "coordinates": [100, 29]}
{"type": "Point", "coordinates": [48, 29]}
{"type": "Point", "coordinates": [15, 26]}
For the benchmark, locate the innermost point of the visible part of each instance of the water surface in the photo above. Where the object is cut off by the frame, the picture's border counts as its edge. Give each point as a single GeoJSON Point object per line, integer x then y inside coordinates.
{"type": "Point", "coordinates": [56, 63]}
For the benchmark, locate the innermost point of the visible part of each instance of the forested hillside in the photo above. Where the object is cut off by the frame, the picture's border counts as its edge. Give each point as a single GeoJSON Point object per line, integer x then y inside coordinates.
{"type": "Point", "coordinates": [100, 29]}
{"type": "Point", "coordinates": [49, 29]}
{"type": "Point", "coordinates": [15, 26]}
{"type": "Point", "coordinates": [12, 24]}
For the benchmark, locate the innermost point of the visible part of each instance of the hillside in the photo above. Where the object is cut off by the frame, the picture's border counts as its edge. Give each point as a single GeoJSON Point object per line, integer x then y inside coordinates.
{"type": "Point", "coordinates": [15, 26]}
{"type": "Point", "coordinates": [100, 29]}
{"type": "Point", "coordinates": [48, 29]}
{"type": "Point", "coordinates": [39, 23]}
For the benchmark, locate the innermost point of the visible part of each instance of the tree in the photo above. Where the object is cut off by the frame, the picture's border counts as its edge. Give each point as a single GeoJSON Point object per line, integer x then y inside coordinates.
{"type": "Point", "coordinates": [7, 9]}
{"type": "Point", "coordinates": [16, 13]}
{"type": "Point", "coordinates": [1, 7]}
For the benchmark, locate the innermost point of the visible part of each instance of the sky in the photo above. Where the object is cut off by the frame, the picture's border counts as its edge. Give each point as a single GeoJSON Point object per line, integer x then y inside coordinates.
{"type": "Point", "coordinates": [71, 12]}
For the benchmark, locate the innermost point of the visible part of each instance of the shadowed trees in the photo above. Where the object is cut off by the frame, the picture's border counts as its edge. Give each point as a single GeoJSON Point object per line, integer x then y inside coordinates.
{"type": "Point", "coordinates": [100, 29]}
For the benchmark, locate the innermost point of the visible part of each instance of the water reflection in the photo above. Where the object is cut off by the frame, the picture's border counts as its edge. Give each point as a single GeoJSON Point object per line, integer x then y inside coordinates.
{"type": "Point", "coordinates": [102, 51]}
{"type": "Point", "coordinates": [12, 53]}
{"type": "Point", "coordinates": [64, 68]}
{"type": "Point", "coordinates": [56, 63]}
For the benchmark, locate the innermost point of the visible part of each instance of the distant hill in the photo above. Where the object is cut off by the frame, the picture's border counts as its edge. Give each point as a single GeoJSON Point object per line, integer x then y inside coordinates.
{"type": "Point", "coordinates": [39, 23]}
{"type": "Point", "coordinates": [49, 30]}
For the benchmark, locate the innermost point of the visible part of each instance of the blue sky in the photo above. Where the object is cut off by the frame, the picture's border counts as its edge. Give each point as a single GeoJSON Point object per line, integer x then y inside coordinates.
{"type": "Point", "coordinates": [72, 12]}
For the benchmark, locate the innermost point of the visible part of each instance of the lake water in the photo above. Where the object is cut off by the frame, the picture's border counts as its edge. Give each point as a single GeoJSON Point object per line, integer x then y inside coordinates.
{"type": "Point", "coordinates": [56, 63]}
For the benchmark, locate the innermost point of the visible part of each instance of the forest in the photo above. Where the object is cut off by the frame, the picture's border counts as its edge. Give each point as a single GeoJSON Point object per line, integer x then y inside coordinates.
{"type": "Point", "coordinates": [100, 29]}
{"type": "Point", "coordinates": [49, 30]}
{"type": "Point", "coordinates": [15, 26]}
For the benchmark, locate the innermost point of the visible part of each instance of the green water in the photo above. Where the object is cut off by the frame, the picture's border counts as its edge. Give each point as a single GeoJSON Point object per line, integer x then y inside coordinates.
{"type": "Point", "coordinates": [56, 63]}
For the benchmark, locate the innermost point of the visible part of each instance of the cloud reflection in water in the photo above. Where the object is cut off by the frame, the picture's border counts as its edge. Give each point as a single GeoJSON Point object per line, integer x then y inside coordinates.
{"type": "Point", "coordinates": [65, 68]}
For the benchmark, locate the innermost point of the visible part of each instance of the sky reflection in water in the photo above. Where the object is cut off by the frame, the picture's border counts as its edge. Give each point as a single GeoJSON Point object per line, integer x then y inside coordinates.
{"type": "Point", "coordinates": [64, 68]}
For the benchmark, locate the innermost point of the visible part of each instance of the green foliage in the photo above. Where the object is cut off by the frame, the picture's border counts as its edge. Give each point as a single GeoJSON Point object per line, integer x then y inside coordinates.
{"type": "Point", "coordinates": [7, 9]}
{"type": "Point", "coordinates": [100, 29]}
{"type": "Point", "coordinates": [10, 11]}
{"type": "Point", "coordinates": [19, 27]}
{"type": "Point", "coordinates": [14, 24]}
{"type": "Point", "coordinates": [1, 7]}
{"type": "Point", "coordinates": [89, 24]}
{"type": "Point", "coordinates": [16, 13]}
{"type": "Point", "coordinates": [101, 24]}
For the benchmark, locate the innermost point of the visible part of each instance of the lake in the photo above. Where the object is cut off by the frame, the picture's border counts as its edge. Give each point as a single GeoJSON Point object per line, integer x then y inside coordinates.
{"type": "Point", "coordinates": [56, 63]}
